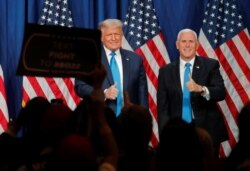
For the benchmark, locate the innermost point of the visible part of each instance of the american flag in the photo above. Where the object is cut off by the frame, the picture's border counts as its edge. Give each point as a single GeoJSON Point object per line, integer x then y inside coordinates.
{"type": "Point", "coordinates": [143, 35]}
{"type": "Point", "coordinates": [54, 12]}
{"type": "Point", "coordinates": [4, 116]}
{"type": "Point", "coordinates": [225, 38]}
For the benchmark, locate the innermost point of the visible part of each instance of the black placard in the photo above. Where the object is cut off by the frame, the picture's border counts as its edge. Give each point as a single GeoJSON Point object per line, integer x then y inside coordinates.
{"type": "Point", "coordinates": [55, 51]}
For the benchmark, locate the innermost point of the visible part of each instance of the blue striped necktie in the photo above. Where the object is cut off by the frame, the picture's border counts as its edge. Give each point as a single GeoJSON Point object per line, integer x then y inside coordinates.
{"type": "Point", "coordinates": [116, 77]}
{"type": "Point", "coordinates": [186, 104]}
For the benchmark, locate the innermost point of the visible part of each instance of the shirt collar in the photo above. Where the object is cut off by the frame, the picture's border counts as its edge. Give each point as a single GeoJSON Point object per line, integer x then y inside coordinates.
{"type": "Point", "coordinates": [107, 51]}
{"type": "Point", "coordinates": [182, 62]}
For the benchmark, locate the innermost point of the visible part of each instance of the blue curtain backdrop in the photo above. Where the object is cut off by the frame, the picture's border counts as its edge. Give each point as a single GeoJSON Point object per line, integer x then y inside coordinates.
{"type": "Point", "coordinates": [173, 15]}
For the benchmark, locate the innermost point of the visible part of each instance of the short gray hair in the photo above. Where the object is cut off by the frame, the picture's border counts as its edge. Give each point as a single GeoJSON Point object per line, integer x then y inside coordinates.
{"type": "Point", "coordinates": [187, 30]}
{"type": "Point", "coordinates": [110, 23]}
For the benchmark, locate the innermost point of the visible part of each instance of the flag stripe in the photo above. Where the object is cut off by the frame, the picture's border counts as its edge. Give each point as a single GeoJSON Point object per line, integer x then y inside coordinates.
{"type": "Point", "coordinates": [245, 40]}
{"type": "Point", "coordinates": [226, 148]}
{"type": "Point", "coordinates": [153, 45]}
{"type": "Point", "coordinates": [3, 111]}
{"type": "Point", "coordinates": [234, 79]}
{"type": "Point", "coordinates": [53, 13]}
{"type": "Point", "coordinates": [143, 35]}
{"type": "Point", "coordinates": [228, 107]}
{"type": "Point", "coordinates": [152, 84]}
{"type": "Point", "coordinates": [148, 65]}
{"type": "Point", "coordinates": [55, 88]}
{"type": "Point", "coordinates": [240, 60]}
{"type": "Point", "coordinates": [233, 108]}
{"type": "Point", "coordinates": [224, 37]}
{"type": "Point", "coordinates": [2, 86]}
{"type": "Point", "coordinates": [161, 45]}
{"type": "Point", "coordinates": [65, 85]}
{"type": "Point", "coordinates": [152, 98]}
{"type": "Point", "coordinates": [46, 88]}
{"type": "Point", "coordinates": [153, 110]}
{"type": "Point", "coordinates": [201, 51]}
{"type": "Point", "coordinates": [153, 106]}
{"type": "Point", "coordinates": [34, 83]}
{"type": "Point", "coordinates": [4, 115]}
{"type": "Point", "coordinates": [238, 78]}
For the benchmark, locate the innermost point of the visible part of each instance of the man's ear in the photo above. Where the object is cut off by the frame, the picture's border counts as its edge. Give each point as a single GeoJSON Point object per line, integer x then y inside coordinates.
{"type": "Point", "coordinates": [177, 44]}
{"type": "Point", "coordinates": [198, 44]}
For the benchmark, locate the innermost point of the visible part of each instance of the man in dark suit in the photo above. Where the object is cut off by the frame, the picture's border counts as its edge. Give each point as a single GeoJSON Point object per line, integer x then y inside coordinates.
{"type": "Point", "coordinates": [206, 87]}
{"type": "Point", "coordinates": [131, 70]}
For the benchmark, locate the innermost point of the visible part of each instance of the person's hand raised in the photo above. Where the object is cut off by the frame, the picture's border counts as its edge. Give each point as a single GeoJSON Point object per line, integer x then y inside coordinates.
{"type": "Point", "coordinates": [111, 92]}
{"type": "Point", "coordinates": [127, 102]}
{"type": "Point", "coordinates": [193, 86]}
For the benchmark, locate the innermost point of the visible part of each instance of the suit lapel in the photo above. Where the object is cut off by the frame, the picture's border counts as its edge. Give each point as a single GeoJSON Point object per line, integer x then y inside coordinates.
{"type": "Point", "coordinates": [106, 65]}
{"type": "Point", "coordinates": [196, 74]}
{"type": "Point", "coordinates": [176, 74]}
{"type": "Point", "coordinates": [126, 63]}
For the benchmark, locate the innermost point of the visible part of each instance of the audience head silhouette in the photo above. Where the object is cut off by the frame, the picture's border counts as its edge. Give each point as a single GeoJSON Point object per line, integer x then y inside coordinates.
{"type": "Point", "coordinates": [179, 147]}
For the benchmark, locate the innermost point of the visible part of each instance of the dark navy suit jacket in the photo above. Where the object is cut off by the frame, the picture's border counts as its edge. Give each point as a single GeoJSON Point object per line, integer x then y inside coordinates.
{"type": "Point", "coordinates": [134, 79]}
{"type": "Point", "coordinates": [206, 113]}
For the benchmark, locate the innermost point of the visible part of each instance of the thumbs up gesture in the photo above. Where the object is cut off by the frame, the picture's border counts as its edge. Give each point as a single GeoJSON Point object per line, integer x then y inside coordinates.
{"type": "Point", "coordinates": [193, 86]}
{"type": "Point", "coordinates": [111, 92]}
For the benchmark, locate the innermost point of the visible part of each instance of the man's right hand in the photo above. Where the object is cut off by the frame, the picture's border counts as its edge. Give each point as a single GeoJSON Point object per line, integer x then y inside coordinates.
{"type": "Point", "coordinates": [111, 92]}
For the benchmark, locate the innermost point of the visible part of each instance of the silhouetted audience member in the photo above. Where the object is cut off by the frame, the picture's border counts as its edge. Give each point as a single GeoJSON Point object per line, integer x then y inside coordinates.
{"type": "Point", "coordinates": [32, 115]}
{"type": "Point", "coordinates": [75, 152]}
{"type": "Point", "coordinates": [80, 124]}
{"type": "Point", "coordinates": [50, 142]}
{"type": "Point", "coordinates": [136, 130]}
{"type": "Point", "coordinates": [96, 123]}
{"type": "Point", "coordinates": [179, 147]}
{"type": "Point", "coordinates": [240, 155]}
{"type": "Point", "coordinates": [55, 123]}
{"type": "Point", "coordinates": [99, 122]}
{"type": "Point", "coordinates": [210, 162]}
{"type": "Point", "coordinates": [43, 136]}
{"type": "Point", "coordinates": [18, 151]}
{"type": "Point", "coordinates": [79, 119]}
{"type": "Point", "coordinates": [10, 148]}
{"type": "Point", "coordinates": [206, 142]}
